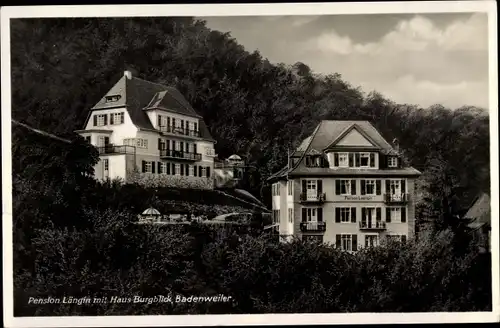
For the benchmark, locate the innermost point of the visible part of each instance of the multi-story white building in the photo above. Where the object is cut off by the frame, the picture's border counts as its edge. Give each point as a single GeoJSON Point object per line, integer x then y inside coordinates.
{"type": "Point", "coordinates": [345, 185]}
{"type": "Point", "coordinates": [148, 129]}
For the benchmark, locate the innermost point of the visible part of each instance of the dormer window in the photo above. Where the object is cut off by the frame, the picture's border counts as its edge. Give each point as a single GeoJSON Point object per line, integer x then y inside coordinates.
{"type": "Point", "coordinates": [314, 161]}
{"type": "Point", "coordinates": [114, 98]}
{"type": "Point", "coordinates": [392, 161]}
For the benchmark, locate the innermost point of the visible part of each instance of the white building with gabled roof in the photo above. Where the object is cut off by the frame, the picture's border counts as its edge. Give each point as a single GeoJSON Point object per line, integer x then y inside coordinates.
{"type": "Point", "coordinates": [148, 131]}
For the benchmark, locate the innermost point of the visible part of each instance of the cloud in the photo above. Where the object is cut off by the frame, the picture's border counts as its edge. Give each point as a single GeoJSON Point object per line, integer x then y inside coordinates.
{"type": "Point", "coordinates": [417, 34]}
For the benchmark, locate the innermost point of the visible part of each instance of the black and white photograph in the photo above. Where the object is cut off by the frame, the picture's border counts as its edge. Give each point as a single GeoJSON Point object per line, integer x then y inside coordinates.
{"type": "Point", "coordinates": [248, 164]}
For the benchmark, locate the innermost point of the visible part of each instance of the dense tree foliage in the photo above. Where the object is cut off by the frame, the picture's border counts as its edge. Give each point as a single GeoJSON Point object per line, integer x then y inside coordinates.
{"type": "Point", "coordinates": [63, 218]}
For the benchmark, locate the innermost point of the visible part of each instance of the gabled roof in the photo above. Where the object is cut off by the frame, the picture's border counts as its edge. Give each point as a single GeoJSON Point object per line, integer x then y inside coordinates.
{"type": "Point", "coordinates": [326, 134]}
{"type": "Point", "coordinates": [480, 210]}
{"type": "Point", "coordinates": [137, 94]}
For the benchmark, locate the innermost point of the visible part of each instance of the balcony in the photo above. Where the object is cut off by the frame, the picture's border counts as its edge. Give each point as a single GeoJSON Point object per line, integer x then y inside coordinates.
{"type": "Point", "coordinates": [373, 226]}
{"type": "Point", "coordinates": [179, 131]}
{"type": "Point", "coordinates": [177, 154]}
{"type": "Point", "coordinates": [112, 149]}
{"type": "Point", "coordinates": [401, 198]}
{"type": "Point", "coordinates": [312, 198]}
{"type": "Point", "coordinates": [312, 226]}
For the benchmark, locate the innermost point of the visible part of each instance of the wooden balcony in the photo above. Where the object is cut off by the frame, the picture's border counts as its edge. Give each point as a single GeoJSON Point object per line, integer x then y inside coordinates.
{"type": "Point", "coordinates": [179, 131]}
{"type": "Point", "coordinates": [372, 226]}
{"type": "Point", "coordinates": [396, 198]}
{"type": "Point", "coordinates": [182, 155]}
{"type": "Point", "coordinates": [112, 149]}
{"type": "Point", "coordinates": [312, 226]}
{"type": "Point", "coordinates": [316, 198]}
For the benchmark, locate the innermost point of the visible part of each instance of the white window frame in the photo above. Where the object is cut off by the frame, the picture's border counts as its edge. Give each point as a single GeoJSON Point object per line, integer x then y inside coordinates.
{"type": "Point", "coordinates": [347, 238]}
{"type": "Point", "coordinates": [117, 118]}
{"type": "Point", "coordinates": [343, 159]}
{"type": "Point", "coordinates": [347, 184]}
{"type": "Point", "coordinates": [148, 167]}
{"type": "Point", "coordinates": [372, 182]}
{"type": "Point", "coordinates": [141, 143]}
{"type": "Point", "coordinates": [101, 141]}
{"type": "Point", "coordinates": [311, 214]}
{"type": "Point", "coordinates": [372, 236]}
{"type": "Point", "coordinates": [393, 161]}
{"type": "Point", "coordinates": [373, 215]}
{"type": "Point", "coordinates": [397, 185]}
{"type": "Point", "coordinates": [106, 164]}
{"type": "Point", "coordinates": [395, 213]}
{"type": "Point", "coordinates": [100, 119]}
{"type": "Point", "coordinates": [345, 215]}
{"type": "Point", "coordinates": [177, 169]}
{"type": "Point", "coordinates": [289, 185]}
{"type": "Point", "coordinates": [364, 155]}
{"type": "Point", "coordinates": [163, 168]}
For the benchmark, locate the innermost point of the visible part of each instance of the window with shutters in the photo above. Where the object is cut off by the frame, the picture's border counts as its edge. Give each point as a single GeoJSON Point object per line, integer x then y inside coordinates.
{"type": "Point", "coordinates": [290, 215]}
{"type": "Point", "coordinates": [392, 161]}
{"type": "Point", "coordinates": [276, 216]}
{"type": "Point", "coordinates": [163, 167]}
{"type": "Point", "coordinates": [311, 215]}
{"type": "Point", "coordinates": [101, 119]}
{"type": "Point", "coordinates": [343, 160]}
{"type": "Point", "coordinates": [395, 187]}
{"type": "Point", "coordinates": [148, 167]}
{"type": "Point", "coordinates": [364, 159]}
{"type": "Point", "coordinates": [369, 187]}
{"type": "Point", "coordinates": [371, 217]}
{"type": "Point", "coordinates": [371, 240]}
{"type": "Point", "coordinates": [177, 169]}
{"type": "Point", "coordinates": [345, 214]}
{"type": "Point", "coordinates": [395, 213]}
{"type": "Point", "coordinates": [191, 170]}
{"type": "Point", "coordinates": [346, 242]}
{"type": "Point", "coordinates": [345, 187]}
{"type": "Point", "coordinates": [116, 118]}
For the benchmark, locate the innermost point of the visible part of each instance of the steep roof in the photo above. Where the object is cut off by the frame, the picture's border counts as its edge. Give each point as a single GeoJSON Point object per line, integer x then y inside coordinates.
{"type": "Point", "coordinates": [138, 95]}
{"type": "Point", "coordinates": [326, 134]}
{"type": "Point", "coordinates": [480, 210]}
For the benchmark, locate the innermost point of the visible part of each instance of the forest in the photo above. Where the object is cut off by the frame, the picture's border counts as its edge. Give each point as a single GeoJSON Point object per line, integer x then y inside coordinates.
{"type": "Point", "coordinates": [254, 108]}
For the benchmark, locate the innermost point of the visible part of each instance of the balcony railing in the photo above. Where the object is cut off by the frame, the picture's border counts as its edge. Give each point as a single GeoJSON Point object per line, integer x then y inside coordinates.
{"type": "Point", "coordinates": [318, 197]}
{"type": "Point", "coordinates": [377, 225]}
{"type": "Point", "coordinates": [180, 155]}
{"type": "Point", "coordinates": [112, 149]}
{"type": "Point", "coordinates": [179, 130]}
{"type": "Point", "coordinates": [396, 198]}
{"type": "Point", "coordinates": [312, 226]}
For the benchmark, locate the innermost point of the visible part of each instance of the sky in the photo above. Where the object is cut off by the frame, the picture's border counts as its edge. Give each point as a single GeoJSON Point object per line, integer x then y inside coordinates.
{"type": "Point", "coordinates": [415, 59]}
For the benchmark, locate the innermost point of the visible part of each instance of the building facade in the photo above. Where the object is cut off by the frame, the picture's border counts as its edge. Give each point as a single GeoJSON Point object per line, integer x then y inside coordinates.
{"type": "Point", "coordinates": [144, 130]}
{"type": "Point", "coordinates": [345, 185]}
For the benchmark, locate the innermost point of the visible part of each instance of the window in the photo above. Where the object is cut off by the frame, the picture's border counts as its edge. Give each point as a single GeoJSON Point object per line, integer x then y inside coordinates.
{"type": "Point", "coordinates": [290, 215]}
{"type": "Point", "coordinates": [392, 161]}
{"type": "Point", "coordinates": [113, 98]}
{"type": "Point", "coordinates": [371, 217]}
{"type": "Point", "coordinates": [371, 240]}
{"type": "Point", "coordinates": [103, 141]}
{"type": "Point", "coordinates": [394, 187]}
{"type": "Point", "coordinates": [276, 189]}
{"type": "Point", "coordinates": [129, 142]}
{"type": "Point", "coordinates": [346, 242]}
{"type": "Point", "coordinates": [345, 187]}
{"type": "Point", "coordinates": [314, 161]}
{"type": "Point", "coordinates": [177, 169]}
{"type": "Point", "coordinates": [396, 238]}
{"type": "Point", "coordinates": [106, 165]}
{"type": "Point", "coordinates": [276, 216]}
{"type": "Point", "coordinates": [148, 167]}
{"type": "Point", "coordinates": [395, 214]}
{"type": "Point", "coordinates": [289, 185]}
{"type": "Point", "coordinates": [116, 118]}
{"type": "Point", "coordinates": [364, 160]}
{"type": "Point", "coordinates": [208, 171]}
{"type": "Point", "coordinates": [101, 120]}
{"type": "Point", "coordinates": [311, 185]}
{"type": "Point", "coordinates": [311, 215]}
{"type": "Point", "coordinates": [191, 170]}
{"type": "Point", "coordinates": [343, 160]}
{"type": "Point", "coordinates": [345, 214]}
{"type": "Point", "coordinates": [163, 166]}
{"type": "Point", "coordinates": [88, 139]}
{"type": "Point", "coordinates": [141, 143]}
{"type": "Point", "coordinates": [209, 151]}
{"type": "Point", "coordinates": [369, 187]}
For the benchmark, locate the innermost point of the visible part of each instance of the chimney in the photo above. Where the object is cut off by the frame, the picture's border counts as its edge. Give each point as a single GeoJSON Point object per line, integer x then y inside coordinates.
{"type": "Point", "coordinates": [395, 144]}
{"type": "Point", "coordinates": [128, 74]}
